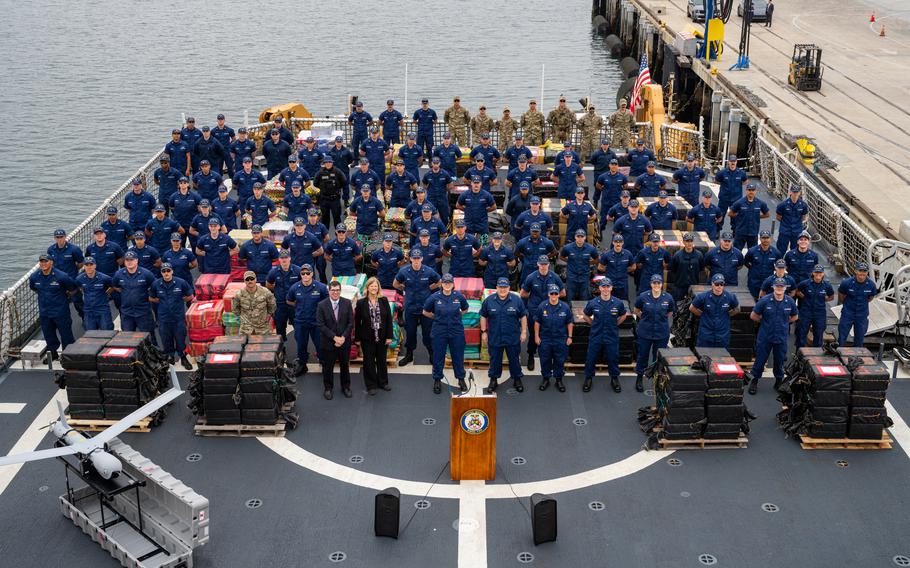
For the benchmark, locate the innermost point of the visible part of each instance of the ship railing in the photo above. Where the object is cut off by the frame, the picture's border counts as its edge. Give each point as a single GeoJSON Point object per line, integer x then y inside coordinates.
{"type": "Point", "coordinates": [678, 142]}
{"type": "Point", "coordinates": [827, 221]}
{"type": "Point", "coordinates": [19, 304]}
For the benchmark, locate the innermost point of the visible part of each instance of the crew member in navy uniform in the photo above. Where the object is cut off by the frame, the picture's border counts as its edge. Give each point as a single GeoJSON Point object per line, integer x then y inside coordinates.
{"type": "Point", "coordinates": [531, 248]}
{"type": "Point", "coordinates": [651, 260]}
{"type": "Point", "coordinates": [140, 204]}
{"type": "Point", "coordinates": [792, 215]}
{"type": "Point", "coordinates": [107, 254]}
{"type": "Point", "coordinates": [461, 248]}
{"type": "Point", "coordinates": [279, 282]}
{"type": "Point", "coordinates": [445, 307]}
{"type": "Point", "coordinates": [172, 294]}
{"type": "Point", "coordinates": [521, 175]}
{"type": "Point", "coordinates": [706, 216]}
{"type": "Point", "coordinates": [814, 294]}
{"type": "Point", "coordinates": [638, 157]}
{"type": "Point", "coordinates": [438, 182]}
{"type": "Point", "coordinates": [504, 327]}
{"type": "Point", "coordinates": [283, 132]}
{"type": "Point", "coordinates": [179, 152]}
{"type": "Point", "coordinates": [117, 230]}
{"type": "Point", "coordinates": [780, 271]}
{"type": "Point", "coordinates": [321, 232]}
{"type": "Point", "coordinates": [731, 180]}
{"type": "Point", "coordinates": [605, 314]}
{"type": "Point", "coordinates": [426, 118]}
{"type": "Point", "coordinates": [391, 121]}
{"type": "Point", "coordinates": [276, 152]}
{"type": "Point", "coordinates": [260, 207]}
{"type": "Point", "coordinates": [601, 159]}
{"type": "Point", "coordinates": [616, 264]}
{"type": "Point", "coordinates": [775, 313]}
{"type": "Point", "coordinates": [225, 136]}
{"type": "Point", "coordinates": [310, 156]}
{"type": "Point", "coordinates": [303, 245]}
{"type": "Point", "coordinates": [166, 178]}
{"type": "Point", "coordinates": [244, 179]}
{"type": "Point", "coordinates": [661, 213]}
{"type": "Point", "coordinates": [688, 180]}
{"type": "Point", "coordinates": [191, 135]}
{"type": "Point", "coordinates": [714, 307]}
{"type": "Point", "coordinates": [746, 214]}
{"type": "Point", "coordinates": [335, 319]}
{"type": "Point", "coordinates": [296, 203]}
{"type": "Point", "coordinates": [476, 204]}
{"type": "Point", "coordinates": [401, 186]}
{"type": "Point", "coordinates": [149, 257]}
{"type": "Point", "coordinates": [241, 148]}
{"type": "Point", "coordinates": [801, 260]}
{"type": "Point", "coordinates": [448, 154]}
{"type": "Point", "coordinates": [215, 248]}
{"type": "Point", "coordinates": [363, 175]}
{"type": "Point", "coordinates": [376, 151]}
{"type": "Point", "coordinates": [534, 292]}
{"type": "Point", "coordinates": [608, 188]}
{"type": "Point", "coordinates": [578, 213]}
{"type": "Point", "coordinates": [687, 265]}
{"type": "Point", "coordinates": [417, 282]}
{"type": "Point", "coordinates": [96, 291]}
{"type": "Point", "coordinates": [293, 173]}
{"type": "Point", "coordinates": [650, 183]}
{"type": "Point", "coordinates": [497, 261]}
{"type": "Point", "coordinates": [159, 229]}
{"type": "Point", "coordinates": [553, 326]}
{"type": "Point", "coordinates": [387, 261]}
{"type": "Point", "coordinates": [303, 296]}
{"type": "Point", "coordinates": [208, 149]}
{"type": "Point", "coordinates": [343, 253]}
{"type": "Point", "coordinates": [725, 260]}
{"type": "Point", "coordinates": [359, 120]}
{"type": "Point", "coordinates": [653, 308]}
{"type": "Point", "coordinates": [342, 155]}
{"type": "Point", "coordinates": [760, 261]}
{"type": "Point", "coordinates": [53, 288]}
{"type": "Point", "coordinates": [182, 260]}
{"type": "Point", "coordinates": [258, 254]}
{"type": "Point", "coordinates": [412, 156]}
{"type": "Point", "coordinates": [369, 212]}
{"type": "Point", "coordinates": [854, 294]}
{"type": "Point", "coordinates": [579, 256]}
{"type": "Point", "coordinates": [134, 282]}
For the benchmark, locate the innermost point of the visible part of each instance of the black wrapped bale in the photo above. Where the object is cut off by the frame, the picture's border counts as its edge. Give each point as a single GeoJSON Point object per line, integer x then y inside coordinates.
{"type": "Point", "coordinates": [686, 399]}
{"type": "Point", "coordinates": [121, 396]}
{"type": "Point", "coordinates": [673, 431]}
{"type": "Point", "coordinates": [117, 360]}
{"type": "Point", "coordinates": [848, 354]}
{"type": "Point", "coordinates": [258, 401]}
{"type": "Point", "coordinates": [868, 399]}
{"type": "Point", "coordinates": [722, 397]}
{"type": "Point", "coordinates": [225, 347]}
{"type": "Point", "coordinates": [219, 402]}
{"type": "Point", "coordinates": [83, 395]}
{"type": "Point", "coordinates": [82, 355]}
{"type": "Point", "coordinates": [118, 411]}
{"type": "Point", "coordinates": [722, 431]}
{"type": "Point", "coordinates": [685, 415]}
{"type": "Point", "coordinates": [725, 414]}
{"type": "Point", "coordinates": [829, 377]}
{"type": "Point", "coordinates": [259, 364]}
{"type": "Point", "coordinates": [263, 417]}
{"type": "Point", "coordinates": [101, 333]}
{"type": "Point", "coordinates": [119, 381]}
{"type": "Point", "coordinates": [871, 378]}
{"type": "Point", "coordinates": [269, 339]}
{"type": "Point", "coordinates": [82, 380]}
{"type": "Point", "coordinates": [724, 373]}
{"type": "Point", "coordinates": [132, 339]}
{"type": "Point", "coordinates": [830, 398]}
{"type": "Point", "coordinates": [830, 414]}
{"type": "Point", "coordinates": [867, 423]}
{"type": "Point", "coordinates": [241, 339]}
{"type": "Point", "coordinates": [675, 356]}
{"type": "Point", "coordinates": [805, 352]}
{"type": "Point", "coordinates": [222, 366]}
{"type": "Point", "coordinates": [686, 379]}
{"type": "Point", "coordinates": [821, 430]}
{"type": "Point", "coordinates": [258, 384]}
{"type": "Point", "coordinates": [222, 417]}
{"type": "Point", "coordinates": [216, 386]}
{"type": "Point", "coordinates": [713, 353]}
{"type": "Point", "coordinates": [86, 411]}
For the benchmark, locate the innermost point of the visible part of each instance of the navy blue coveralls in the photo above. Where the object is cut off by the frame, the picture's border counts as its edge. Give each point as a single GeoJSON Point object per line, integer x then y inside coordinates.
{"type": "Point", "coordinates": [475, 210]}
{"type": "Point", "coordinates": [301, 247]}
{"type": "Point", "coordinates": [686, 268]}
{"type": "Point", "coordinates": [259, 257]}
{"type": "Point", "coordinates": [688, 183]}
{"type": "Point", "coordinates": [343, 256]}
{"type": "Point", "coordinates": [724, 262]}
{"type": "Point", "coordinates": [240, 150]}
{"type": "Point", "coordinates": [391, 126]}
{"type": "Point", "coordinates": [616, 268]}
{"type": "Point", "coordinates": [217, 253]}
{"type": "Point", "coordinates": [359, 121]}
{"type": "Point", "coordinates": [96, 309]}
{"type": "Point", "coordinates": [448, 157]}
{"type": "Point", "coordinates": [761, 265]}
{"type": "Point", "coordinates": [497, 266]}
{"type": "Point", "coordinates": [206, 185]}
{"type": "Point", "coordinates": [608, 195]}
{"type": "Point", "coordinates": [437, 184]}
{"type": "Point", "coordinates": [54, 306]}
{"type": "Point", "coordinates": [578, 270]}
{"type": "Point", "coordinates": [813, 311]}
{"type": "Point", "coordinates": [568, 179]}
{"type": "Point", "coordinates": [371, 178]}
{"type": "Point", "coordinates": [411, 156]}
{"type": "Point", "coordinates": [374, 151]}
{"type": "Point", "coordinates": [537, 286]}
{"type": "Point", "coordinates": [425, 120]}
{"type": "Point", "coordinates": [367, 214]}
{"type": "Point", "coordinates": [297, 205]}
{"type": "Point", "coordinates": [66, 259]}
{"type": "Point", "coordinates": [529, 250]}
{"type": "Point", "coordinates": [707, 219]}
{"type": "Point", "coordinates": [714, 324]}
{"type": "Point", "coordinates": [649, 185]}
{"type": "Point", "coordinates": [504, 333]}
{"type": "Point", "coordinates": [661, 216]}
{"type": "Point", "coordinates": [773, 333]}
{"type": "Point", "coordinates": [243, 183]}
{"type": "Point", "coordinates": [800, 264]}
{"type": "Point", "coordinates": [462, 254]}
{"type": "Point", "coordinates": [184, 208]}
{"type": "Point", "coordinates": [791, 223]}
{"type": "Point", "coordinates": [638, 160]}
{"type": "Point", "coordinates": [180, 262]}
{"type": "Point", "coordinates": [224, 136]}
{"type": "Point", "coordinates": [747, 221]}
{"type": "Point", "coordinates": [306, 299]}
{"type": "Point", "coordinates": [400, 186]}
{"type": "Point", "coordinates": [106, 257]}
{"type": "Point", "coordinates": [731, 187]}
{"type": "Point", "coordinates": [388, 265]}
{"type": "Point", "coordinates": [653, 329]}
{"type": "Point", "coordinates": [554, 331]}
{"type": "Point", "coordinates": [310, 160]}
{"type": "Point", "coordinates": [178, 151]}
{"type": "Point", "coordinates": [167, 184]}
{"type": "Point", "coordinates": [281, 281]}
{"type": "Point", "coordinates": [171, 313]}
{"type": "Point", "coordinates": [578, 216]}
{"type": "Point", "coordinates": [135, 308]}
{"type": "Point", "coordinates": [448, 331]}
{"type": "Point", "coordinates": [140, 207]}
{"type": "Point", "coordinates": [604, 334]}
{"type": "Point", "coordinates": [416, 291]}
{"type": "Point", "coordinates": [855, 313]}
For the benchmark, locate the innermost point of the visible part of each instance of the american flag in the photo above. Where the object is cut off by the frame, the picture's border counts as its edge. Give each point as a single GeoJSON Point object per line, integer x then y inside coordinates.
{"type": "Point", "coordinates": [644, 78]}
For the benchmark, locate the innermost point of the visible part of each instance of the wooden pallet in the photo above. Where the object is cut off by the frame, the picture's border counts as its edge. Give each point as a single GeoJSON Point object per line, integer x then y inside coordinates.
{"type": "Point", "coordinates": [703, 444]}
{"type": "Point", "coordinates": [474, 364]}
{"type": "Point", "coordinates": [810, 443]}
{"type": "Point", "coordinates": [99, 425]}
{"type": "Point", "coordinates": [240, 430]}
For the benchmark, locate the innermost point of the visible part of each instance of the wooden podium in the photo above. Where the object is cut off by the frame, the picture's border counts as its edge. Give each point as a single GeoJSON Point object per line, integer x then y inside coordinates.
{"type": "Point", "coordinates": [472, 442]}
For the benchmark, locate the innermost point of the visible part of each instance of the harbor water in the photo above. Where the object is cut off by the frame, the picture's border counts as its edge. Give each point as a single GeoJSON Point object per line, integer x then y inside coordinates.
{"type": "Point", "coordinates": [92, 89]}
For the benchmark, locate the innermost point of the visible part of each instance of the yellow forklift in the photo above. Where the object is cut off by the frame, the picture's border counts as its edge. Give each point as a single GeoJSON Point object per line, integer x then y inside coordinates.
{"type": "Point", "coordinates": [806, 67]}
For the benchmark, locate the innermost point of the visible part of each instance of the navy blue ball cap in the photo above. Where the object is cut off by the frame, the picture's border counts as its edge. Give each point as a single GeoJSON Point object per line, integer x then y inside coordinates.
{"type": "Point", "coordinates": [306, 268]}
{"type": "Point", "coordinates": [313, 211]}
{"type": "Point", "coordinates": [780, 263]}
{"type": "Point", "coordinates": [299, 221]}
{"type": "Point", "coordinates": [166, 267]}
{"type": "Point", "coordinates": [688, 237]}
{"type": "Point", "coordinates": [652, 164]}
{"type": "Point", "coordinates": [295, 183]}
{"type": "Point", "coordinates": [164, 158]}
{"type": "Point", "coordinates": [340, 228]}
{"type": "Point", "coordinates": [818, 268]}
{"type": "Point", "coordinates": [764, 233]}
{"type": "Point", "coordinates": [241, 130]}
{"type": "Point", "coordinates": [657, 278]}
{"type": "Point", "coordinates": [423, 233]}
{"type": "Point", "coordinates": [496, 235]}
{"type": "Point", "coordinates": [175, 131]}
{"type": "Point", "coordinates": [219, 117]}
{"type": "Point", "coordinates": [284, 253]}
{"type": "Point", "coordinates": [130, 255]}
{"type": "Point", "coordinates": [388, 237]}
{"type": "Point", "coordinates": [726, 236]}
{"type": "Point", "coordinates": [256, 229]}
{"type": "Point", "coordinates": [605, 282]}
{"type": "Point", "coordinates": [436, 160]}
{"type": "Point", "coordinates": [363, 162]}
{"type": "Point", "coordinates": [525, 185]}
{"type": "Point", "coordinates": [543, 260]}
{"type": "Point", "coordinates": [424, 100]}
{"type": "Point", "coordinates": [654, 238]}
{"type": "Point", "coordinates": [707, 193]}
{"type": "Point", "coordinates": [625, 193]}
{"type": "Point", "coordinates": [292, 158]}
{"type": "Point", "coordinates": [751, 186]}
{"type": "Point", "coordinates": [206, 128]}
{"type": "Point", "coordinates": [190, 120]}
{"type": "Point", "coordinates": [137, 181]}
{"type": "Point", "coordinates": [581, 233]}
{"type": "Point", "coordinates": [420, 189]}
{"type": "Point", "coordinates": [257, 185]}
{"type": "Point", "coordinates": [535, 200]}
{"type": "Point", "coordinates": [633, 203]}
{"type": "Point", "coordinates": [390, 102]}
{"type": "Point", "coordinates": [415, 253]}
{"type": "Point", "coordinates": [780, 283]}
{"type": "Point", "coordinates": [535, 228]}
{"type": "Point", "coordinates": [426, 208]}
{"type": "Point", "coordinates": [448, 278]}
{"type": "Point", "coordinates": [274, 132]}
{"type": "Point", "coordinates": [459, 223]}
{"type": "Point", "coordinates": [43, 258]}
{"type": "Point", "coordinates": [90, 260]}
{"type": "Point", "coordinates": [862, 267]}
{"type": "Point", "coordinates": [213, 222]}
{"type": "Point", "coordinates": [804, 235]}
{"type": "Point", "coordinates": [447, 135]}
{"type": "Point", "coordinates": [98, 230]}
{"type": "Point", "coordinates": [59, 233]}
{"type": "Point", "coordinates": [718, 279]}
{"type": "Point", "coordinates": [328, 159]}
{"type": "Point", "coordinates": [553, 289]}
{"type": "Point", "coordinates": [503, 282]}
{"type": "Point", "coordinates": [614, 162]}
{"type": "Point", "coordinates": [159, 208]}
{"type": "Point", "coordinates": [247, 160]}
{"type": "Point", "coordinates": [662, 194]}
{"type": "Point", "coordinates": [617, 238]}
{"type": "Point", "coordinates": [183, 179]}
{"type": "Point", "coordinates": [176, 237]}
{"type": "Point", "coordinates": [138, 235]}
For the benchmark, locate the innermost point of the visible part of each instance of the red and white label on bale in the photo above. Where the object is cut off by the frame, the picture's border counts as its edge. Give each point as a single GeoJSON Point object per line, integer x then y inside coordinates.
{"type": "Point", "coordinates": [205, 306]}
{"type": "Point", "coordinates": [825, 370]}
{"type": "Point", "coordinates": [726, 368]}
{"type": "Point", "coordinates": [118, 352]}
{"type": "Point", "coordinates": [224, 357]}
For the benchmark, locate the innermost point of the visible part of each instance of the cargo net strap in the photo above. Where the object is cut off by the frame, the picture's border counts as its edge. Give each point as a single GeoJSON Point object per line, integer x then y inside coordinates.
{"type": "Point", "coordinates": [793, 394]}
{"type": "Point", "coordinates": [684, 324]}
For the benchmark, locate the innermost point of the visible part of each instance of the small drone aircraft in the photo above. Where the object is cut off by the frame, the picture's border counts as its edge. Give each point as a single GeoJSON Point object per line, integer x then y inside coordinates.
{"type": "Point", "coordinates": [91, 450]}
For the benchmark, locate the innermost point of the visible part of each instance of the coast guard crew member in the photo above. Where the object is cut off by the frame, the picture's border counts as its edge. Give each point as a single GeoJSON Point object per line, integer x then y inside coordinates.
{"type": "Point", "coordinates": [686, 266]}
{"type": "Point", "coordinates": [240, 149]}
{"type": "Point", "coordinates": [553, 327]}
{"type": "Point", "coordinates": [107, 254]}
{"type": "Point", "coordinates": [731, 180]}
{"type": "Point", "coordinates": [303, 296]}
{"type": "Point", "coordinates": [140, 204]}
{"type": "Point", "coordinates": [244, 180]}
{"type": "Point", "coordinates": [369, 212]}
{"type": "Point", "coordinates": [638, 157]}
{"type": "Point", "coordinates": [725, 260]}
{"type": "Point", "coordinates": [497, 261]}
{"type": "Point", "coordinates": [363, 175]}
{"type": "Point", "coordinates": [521, 227]}
{"type": "Point", "coordinates": [760, 261]}
{"type": "Point", "coordinates": [448, 154]}
{"type": "Point", "coordinates": [360, 121]}
{"type": "Point", "coordinates": [296, 203]}
{"type": "Point", "coordinates": [650, 183]}
{"type": "Point", "coordinates": [569, 175]}
{"type": "Point", "coordinates": [182, 260]}
{"type": "Point", "coordinates": [401, 185]}
{"type": "Point", "coordinates": [531, 248]}
{"type": "Point", "coordinates": [445, 307]}
{"type": "Point", "coordinates": [258, 254]}
{"type": "Point", "coordinates": [425, 117]}
{"type": "Point", "coordinates": [133, 283]}
{"type": "Point", "coordinates": [279, 281]}
{"type": "Point", "coordinates": [534, 292]}
{"type": "Point", "coordinates": [476, 203]}
{"type": "Point", "coordinates": [746, 214]}
{"type": "Point", "coordinates": [792, 215]}
{"type": "Point", "coordinates": [616, 264]}
{"type": "Point", "coordinates": [343, 253]}
{"type": "Point", "coordinates": [206, 181]}
{"type": "Point", "coordinates": [814, 294]}
{"type": "Point", "coordinates": [688, 180]}
{"type": "Point", "coordinates": [387, 261]}
{"type": "Point", "coordinates": [775, 313]}
{"type": "Point", "coordinates": [293, 172]}
{"type": "Point", "coordinates": [608, 187]}
{"type": "Point", "coordinates": [706, 216]}
{"type": "Point", "coordinates": [653, 308]}
{"type": "Point", "coordinates": [53, 288]}
{"type": "Point", "coordinates": [714, 307]}
{"type": "Point", "coordinates": [159, 229]}
{"type": "Point", "coordinates": [801, 260]}
{"type": "Point", "coordinates": [391, 122]}
{"type": "Point", "coordinates": [417, 282]}
{"type": "Point", "coordinates": [661, 213]}
{"type": "Point", "coordinates": [461, 248]}
{"type": "Point", "coordinates": [117, 230]}
{"type": "Point", "coordinates": [166, 179]}
{"type": "Point", "coordinates": [172, 294]}
{"type": "Point", "coordinates": [438, 182]}
{"type": "Point", "coordinates": [225, 136]}
{"type": "Point", "coordinates": [854, 294]}
{"type": "Point", "coordinates": [96, 296]}
{"type": "Point", "coordinates": [579, 257]}
{"type": "Point", "coordinates": [376, 151]}
{"type": "Point", "coordinates": [215, 248]}
{"type": "Point", "coordinates": [412, 156]}
{"type": "Point", "coordinates": [179, 152]}
{"type": "Point", "coordinates": [578, 213]}
{"type": "Point", "coordinates": [605, 314]}
{"type": "Point", "coordinates": [503, 328]}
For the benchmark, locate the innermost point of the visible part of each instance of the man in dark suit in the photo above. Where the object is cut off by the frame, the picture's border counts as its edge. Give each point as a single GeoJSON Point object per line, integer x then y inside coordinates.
{"type": "Point", "coordinates": [335, 319]}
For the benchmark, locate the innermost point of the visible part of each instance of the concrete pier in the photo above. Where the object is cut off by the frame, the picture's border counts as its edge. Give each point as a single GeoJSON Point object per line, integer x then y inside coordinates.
{"type": "Point", "coordinates": [859, 118]}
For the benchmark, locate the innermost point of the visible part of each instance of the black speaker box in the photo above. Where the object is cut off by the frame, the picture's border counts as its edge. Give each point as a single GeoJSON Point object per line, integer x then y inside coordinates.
{"type": "Point", "coordinates": [386, 512]}
{"type": "Point", "coordinates": [543, 518]}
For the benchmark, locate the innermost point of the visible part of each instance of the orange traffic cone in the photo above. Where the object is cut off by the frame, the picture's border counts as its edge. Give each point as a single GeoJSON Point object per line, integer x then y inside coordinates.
{"type": "Point", "coordinates": [881, 32]}
{"type": "Point", "coordinates": [872, 18]}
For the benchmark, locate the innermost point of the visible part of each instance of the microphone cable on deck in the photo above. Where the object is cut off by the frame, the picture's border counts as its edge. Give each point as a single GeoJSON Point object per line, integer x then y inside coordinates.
{"type": "Point", "coordinates": [424, 497]}
{"type": "Point", "coordinates": [517, 498]}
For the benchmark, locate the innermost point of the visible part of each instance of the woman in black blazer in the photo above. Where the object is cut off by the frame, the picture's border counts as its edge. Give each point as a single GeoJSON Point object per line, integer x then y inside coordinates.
{"type": "Point", "coordinates": [373, 332]}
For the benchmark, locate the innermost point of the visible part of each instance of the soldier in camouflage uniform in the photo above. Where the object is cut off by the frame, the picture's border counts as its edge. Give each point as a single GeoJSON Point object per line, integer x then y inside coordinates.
{"type": "Point", "coordinates": [507, 127]}
{"type": "Point", "coordinates": [622, 122]}
{"type": "Point", "coordinates": [253, 304]}
{"type": "Point", "coordinates": [532, 122]}
{"type": "Point", "coordinates": [561, 121]}
{"type": "Point", "coordinates": [590, 125]}
{"type": "Point", "coordinates": [457, 119]}
{"type": "Point", "coordinates": [480, 124]}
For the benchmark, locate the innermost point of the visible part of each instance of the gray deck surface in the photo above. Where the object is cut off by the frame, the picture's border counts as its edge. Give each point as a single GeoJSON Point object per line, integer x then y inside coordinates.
{"type": "Point", "coordinates": [660, 516]}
